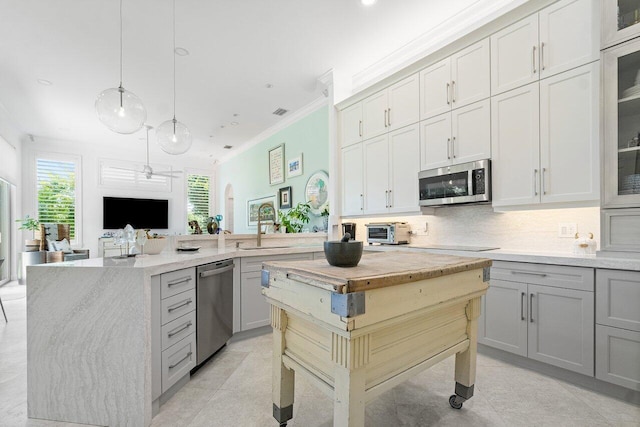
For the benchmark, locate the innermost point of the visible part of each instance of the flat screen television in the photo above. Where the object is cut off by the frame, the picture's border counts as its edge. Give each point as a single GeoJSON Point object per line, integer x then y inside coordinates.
{"type": "Point", "coordinates": [117, 212]}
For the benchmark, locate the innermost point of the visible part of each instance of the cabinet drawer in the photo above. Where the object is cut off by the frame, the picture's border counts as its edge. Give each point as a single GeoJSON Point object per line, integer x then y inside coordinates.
{"type": "Point", "coordinates": [174, 282]}
{"type": "Point", "coordinates": [178, 360]}
{"type": "Point", "coordinates": [617, 298]}
{"type": "Point", "coordinates": [579, 278]}
{"type": "Point", "coordinates": [251, 264]}
{"type": "Point", "coordinates": [617, 356]}
{"type": "Point", "coordinates": [178, 305]}
{"type": "Point", "coordinates": [177, 329]}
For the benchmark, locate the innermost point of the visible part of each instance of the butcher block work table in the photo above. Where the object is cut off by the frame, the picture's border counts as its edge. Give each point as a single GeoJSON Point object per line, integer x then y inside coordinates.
{"type": "Point", "coordinates": [357, 332]}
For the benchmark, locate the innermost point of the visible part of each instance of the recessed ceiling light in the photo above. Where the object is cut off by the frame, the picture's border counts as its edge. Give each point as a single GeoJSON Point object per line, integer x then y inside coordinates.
{"type": "Point", "coordinates": [268, 85]}
{"type": "Point", "coordinates": [367, 2]}
{"type": "Point", "coordinates": [235, 114]}
{"type": "Point", "coordinates": [228, 147]}
{"type": "Point", "coordinates": [180, 51]}
{"type": "Point", "coordinates": [44, 82]}
{"type": "Point", "coordinates": [221, 126]}
{"type": "Point", "coordinates": [234, 123]}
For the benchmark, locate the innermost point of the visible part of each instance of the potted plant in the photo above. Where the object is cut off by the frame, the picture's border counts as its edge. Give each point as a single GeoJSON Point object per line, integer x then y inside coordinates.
{"type": "Point", "coordinates": [32, 225]}
{"type": "Point", "coordinates": [294, 219]}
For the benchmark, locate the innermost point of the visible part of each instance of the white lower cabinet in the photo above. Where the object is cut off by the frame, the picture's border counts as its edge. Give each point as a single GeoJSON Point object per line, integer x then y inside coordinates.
{"type": "Point", "coordinates": [543, 312]}
{"type": "Point", "coordinates": [618, 327]}
{"type": "Point", "coordinates": [254, 309]}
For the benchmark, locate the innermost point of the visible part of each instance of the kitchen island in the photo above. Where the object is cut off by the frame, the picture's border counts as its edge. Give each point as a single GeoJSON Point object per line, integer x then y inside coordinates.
{"type": "Point", "coordinates": [357, 332]}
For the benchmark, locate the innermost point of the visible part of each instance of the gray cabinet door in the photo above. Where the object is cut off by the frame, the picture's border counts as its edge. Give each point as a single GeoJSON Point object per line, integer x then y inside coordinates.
{"type": "Point", "coordinates": [561, 328]}
{"type": "Point", "coordinates": [254, 309]}
{"type": "Point", "coordinates": [617, 299]}
{"type": "Point", "coordinates": [503, 322]}
{"type": "Point", "coordinates": [618, 356]}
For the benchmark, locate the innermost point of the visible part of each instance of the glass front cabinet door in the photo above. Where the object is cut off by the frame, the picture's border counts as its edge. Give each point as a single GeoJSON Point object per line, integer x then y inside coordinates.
{"type": "Point", "coordinates": [620, 21]}
{"type": "Point", "coordinates": [622, 125]}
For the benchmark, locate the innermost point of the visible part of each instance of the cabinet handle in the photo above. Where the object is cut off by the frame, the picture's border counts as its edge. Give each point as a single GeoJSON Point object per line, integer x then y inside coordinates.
{"type": "Point", "coordinates": [535, 183]}
{"type": "Point", "coordinates": [389, 117]}
{"type": "Point", "coordinates": [448, 102]}
{"type": "Point", "coordinates": [360, 128]}
{"type": "Point", "coordinates": [544, 188]}
{"type": "Point", "coordinates": [453, 92]}
{"type": "Point", "coordinates": [542, 55]}
{"type": "Point", "coordinates": [529, 273]}
{"type": "Point", "coordinates": [390, 205]}
{"type": "Point", "coordinates": [531, 308]}
{"type": "Point", "coordinates": [453, 147]}
{"type": "Point", "coordinates": [386, 198]}
{"type": "Point", "coordinates": [448, 150]}
{"type": "Point", "coordinates": [385, 118]}
{"type": "Point", "coordinates": [177, 282]}
{"type": "Point", "coordinates": [361, 202]}
{"type": "Point", "coordinates": [188, 355]}
{"type": "Point", "coordinates": [523, 302]}
{"type": "Point", "coordinates": [175, 307]}
{"type": "Point", "coordinates": [177, 331]}
{"type": "Point", "coordinates": [533, 59]}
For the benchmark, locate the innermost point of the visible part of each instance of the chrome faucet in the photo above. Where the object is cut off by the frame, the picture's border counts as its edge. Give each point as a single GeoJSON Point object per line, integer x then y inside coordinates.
{"type": "Point", "coordinates": [264, 205]}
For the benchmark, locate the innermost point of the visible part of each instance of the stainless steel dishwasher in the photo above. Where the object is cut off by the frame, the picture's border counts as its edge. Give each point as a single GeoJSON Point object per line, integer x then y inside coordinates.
{"type": "Point", "coordinates": [214, 310]}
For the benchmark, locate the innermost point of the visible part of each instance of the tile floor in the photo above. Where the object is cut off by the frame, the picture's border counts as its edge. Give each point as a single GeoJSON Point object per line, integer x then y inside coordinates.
{"type": "Point", "coordinates": [234, 388]}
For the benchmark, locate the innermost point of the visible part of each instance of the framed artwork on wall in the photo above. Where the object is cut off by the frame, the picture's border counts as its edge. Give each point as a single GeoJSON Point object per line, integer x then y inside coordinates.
{"type": "Point", "coordinates": [294, 166]}
{"type": "Point", "coordinates": [276, 165]}
{"type": "Point", "coordinates": [268, 211]}
{"type": "Point", "coordinates": [285, 197]}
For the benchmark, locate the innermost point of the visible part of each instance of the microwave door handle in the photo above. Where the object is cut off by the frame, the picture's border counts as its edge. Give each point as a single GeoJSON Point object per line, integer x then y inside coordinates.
{"type": "Point", "coordinates": [470, 183]}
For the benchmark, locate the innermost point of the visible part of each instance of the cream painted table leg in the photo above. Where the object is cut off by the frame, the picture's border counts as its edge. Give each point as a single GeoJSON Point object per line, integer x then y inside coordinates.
{"type": "Point", "coordinates": [466, 360]}
{"type": "Point", "coordinates": [350, 357]}
{"type": "Point", "coordinates": [283, 379]}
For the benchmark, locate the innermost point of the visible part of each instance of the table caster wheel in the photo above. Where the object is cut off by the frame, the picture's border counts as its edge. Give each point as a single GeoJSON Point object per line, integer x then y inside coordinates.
{"type": "Point", "coordinates": [454, 403]}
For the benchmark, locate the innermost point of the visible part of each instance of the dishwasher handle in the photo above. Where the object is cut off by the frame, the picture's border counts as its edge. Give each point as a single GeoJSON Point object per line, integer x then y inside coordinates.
{"type": "Point", "coordinates": [217, 271]}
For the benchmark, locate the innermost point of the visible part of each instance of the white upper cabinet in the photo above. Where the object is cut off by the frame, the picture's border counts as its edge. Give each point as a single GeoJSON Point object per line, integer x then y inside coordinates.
{"type": "Point", "coordinates": [515, 148]}
{"type": "Point", "coordinates": [569, 135]}
{"type": "Point", "coordinates": [514, 56]}
{"type": "Point", "coordinates": [376, 175]}
{"type": "Point", "coordinates": [620, 19]}
{"type": "Point", "coordinates": [392, 108]}
{"type": "Point", "coordinates": [454, 82]}
{"type": "Point", "coordinates": [463, 135]}
{"type": "Point", "coordinates": [562, 36]}
{"type": "Point", "coordinates": [352, 175]}
{"type": "Point", "coordinates": [545, 140]}
{"type": "Point", "coordinates": [374, 115]}
{"type": "Point", "coordinates": [404, 160]}
{"type": "Point", "coordinates": [351, 125]}
{"type": "Point", "coordinates": [569, 35]}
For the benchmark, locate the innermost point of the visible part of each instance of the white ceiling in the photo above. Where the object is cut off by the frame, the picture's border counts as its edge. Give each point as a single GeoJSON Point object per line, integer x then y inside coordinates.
{"type": "Point", "coordinates": [236, 48]}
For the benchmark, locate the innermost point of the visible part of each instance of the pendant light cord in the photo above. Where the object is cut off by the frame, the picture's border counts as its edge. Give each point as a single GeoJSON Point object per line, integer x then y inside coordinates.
{"type": "Point", "coordinates": [174, 64]}
{"type": "Point", "coordinates": [120, 43]}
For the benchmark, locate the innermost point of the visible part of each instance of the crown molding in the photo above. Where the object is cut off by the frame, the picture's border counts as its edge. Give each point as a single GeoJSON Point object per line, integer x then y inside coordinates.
{"type": "Point", "coordinates": [282, 124]}
{"type": "Point", "coordinates": [461, 24]}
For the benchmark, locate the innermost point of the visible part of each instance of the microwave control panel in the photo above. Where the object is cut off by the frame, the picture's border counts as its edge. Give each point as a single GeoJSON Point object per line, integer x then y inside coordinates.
{"type": "Point", "coordinates": [478, 181]}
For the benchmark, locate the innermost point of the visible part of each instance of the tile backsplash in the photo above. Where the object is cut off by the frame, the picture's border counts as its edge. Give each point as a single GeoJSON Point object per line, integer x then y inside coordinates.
{"type": "Point", "coordinates": [479, 225]}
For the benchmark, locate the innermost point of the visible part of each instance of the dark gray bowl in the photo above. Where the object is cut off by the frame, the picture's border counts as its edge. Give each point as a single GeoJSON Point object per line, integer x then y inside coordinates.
{"type": "Point", "coordinates": [343, 254]}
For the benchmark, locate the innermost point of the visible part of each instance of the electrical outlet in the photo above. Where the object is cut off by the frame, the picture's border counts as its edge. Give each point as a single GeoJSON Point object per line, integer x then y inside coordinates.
{"type": "Point", "coordinates": [567, 229]}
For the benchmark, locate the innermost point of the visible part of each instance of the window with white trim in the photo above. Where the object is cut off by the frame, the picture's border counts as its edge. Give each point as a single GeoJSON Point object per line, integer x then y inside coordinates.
{"type": "Point", "coordinates": [57, 193]}
{"type": "Point", "coordinates": [198, 198]}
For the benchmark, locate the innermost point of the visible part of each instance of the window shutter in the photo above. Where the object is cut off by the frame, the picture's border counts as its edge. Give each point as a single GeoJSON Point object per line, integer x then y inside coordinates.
{"type": "Point", "coordinates": [56, 182]}
{"type": "Point", "coordinates": [198, 198]}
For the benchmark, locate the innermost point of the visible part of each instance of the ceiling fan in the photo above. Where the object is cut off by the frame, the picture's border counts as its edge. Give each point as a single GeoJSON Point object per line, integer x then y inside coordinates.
{"type": "Point", "coordinates": [147, 170]}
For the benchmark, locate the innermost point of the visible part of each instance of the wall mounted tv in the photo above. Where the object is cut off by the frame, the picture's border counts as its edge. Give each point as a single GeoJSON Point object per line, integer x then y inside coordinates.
{"type": "Point", "coordinates": [117, 212]}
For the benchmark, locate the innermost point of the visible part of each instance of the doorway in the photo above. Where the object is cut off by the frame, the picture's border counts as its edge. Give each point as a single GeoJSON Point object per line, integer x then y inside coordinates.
{"type": "Point", "coordinates": [5, 231]}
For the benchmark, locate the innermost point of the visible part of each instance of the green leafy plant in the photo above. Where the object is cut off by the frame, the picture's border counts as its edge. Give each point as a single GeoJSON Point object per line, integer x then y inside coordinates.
{"type": "Point", "coordinates": [295, 218]}
{"type": "Point", "coordinates": [28, 223]}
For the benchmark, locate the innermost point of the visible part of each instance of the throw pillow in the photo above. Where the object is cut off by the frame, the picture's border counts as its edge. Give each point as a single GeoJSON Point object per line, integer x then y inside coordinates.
{"type": "Point", "coordinates": [64, 246]}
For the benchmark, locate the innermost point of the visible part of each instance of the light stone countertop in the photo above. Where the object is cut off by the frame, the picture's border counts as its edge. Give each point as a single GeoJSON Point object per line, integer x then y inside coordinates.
{"type": "Point", "coordinates": [556, 258]}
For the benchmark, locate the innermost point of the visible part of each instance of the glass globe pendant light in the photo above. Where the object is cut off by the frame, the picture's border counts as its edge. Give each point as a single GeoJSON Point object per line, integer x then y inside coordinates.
{"type": "Point", "coordinates": [119, 109]}
{"type": "Point", "coordinates": [174, 137]}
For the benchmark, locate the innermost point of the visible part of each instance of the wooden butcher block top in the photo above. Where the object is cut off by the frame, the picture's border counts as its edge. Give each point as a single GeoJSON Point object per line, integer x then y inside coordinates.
{"type": "Point", "coordinates": [376, 270]}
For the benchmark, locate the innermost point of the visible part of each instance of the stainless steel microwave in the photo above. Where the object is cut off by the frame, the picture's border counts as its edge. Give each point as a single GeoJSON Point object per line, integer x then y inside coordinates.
{"type": "Point", "coordinates": [463, 183]}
